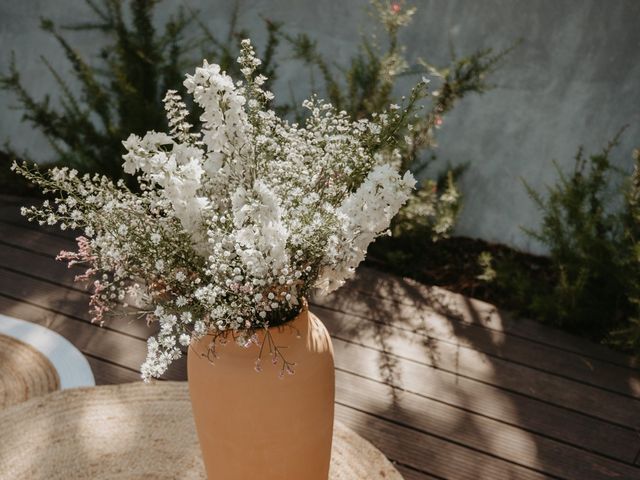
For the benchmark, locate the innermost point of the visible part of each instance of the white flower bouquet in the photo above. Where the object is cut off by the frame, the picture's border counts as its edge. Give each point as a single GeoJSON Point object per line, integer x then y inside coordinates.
{"type": "Point", "coordinates": [233, 224]}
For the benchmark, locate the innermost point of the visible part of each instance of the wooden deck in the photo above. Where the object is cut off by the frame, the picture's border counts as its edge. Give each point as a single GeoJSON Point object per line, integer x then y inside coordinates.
{"type": "Point", "coordinates": [445, 386]}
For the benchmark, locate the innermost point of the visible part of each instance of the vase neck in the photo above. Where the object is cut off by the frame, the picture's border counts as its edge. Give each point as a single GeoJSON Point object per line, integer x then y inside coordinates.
{"type": "Point", "coordinates": [300, 328]}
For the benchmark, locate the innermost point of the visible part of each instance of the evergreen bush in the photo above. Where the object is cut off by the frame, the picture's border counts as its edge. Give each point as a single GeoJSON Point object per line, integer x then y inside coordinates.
{"type": "Point", "coordinates": [121, 92]}
{"type": "Point", "coordinates": [592, 233]}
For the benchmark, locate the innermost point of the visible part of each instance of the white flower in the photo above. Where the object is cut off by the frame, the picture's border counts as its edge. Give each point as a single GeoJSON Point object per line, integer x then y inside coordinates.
{"type": "Point", "coordinates": [199, 328]}
{"type": "Point", "coordinates": [237, 218]}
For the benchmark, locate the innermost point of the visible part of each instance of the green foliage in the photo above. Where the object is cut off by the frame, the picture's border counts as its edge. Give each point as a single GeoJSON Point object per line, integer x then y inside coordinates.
{"type": "Point", "coordinates": [627, 336]}
{"type": "Point", "coordinates": [368, 83]}
{"type": "Point", "coordinates": [122, 93]}
{"type": "Point", "coordinates": [592, 237]}
{"type": "Point", "coordinates": [428, 211]}
{"type": "Point", "coordinates": [485, 262]}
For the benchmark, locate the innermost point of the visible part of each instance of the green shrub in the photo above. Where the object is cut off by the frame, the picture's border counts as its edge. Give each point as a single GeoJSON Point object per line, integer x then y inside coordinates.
{"type": "Point", "coordinates": [121, 93]}
{"type": "Point", "coordinates": [368, 83]}
{"type": "Point", "coordinates": [591, 232]}
{"type": "Point", "coordinates": [627, 335]}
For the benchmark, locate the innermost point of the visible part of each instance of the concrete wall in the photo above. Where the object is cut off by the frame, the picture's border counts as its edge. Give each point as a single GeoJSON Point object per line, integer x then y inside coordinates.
{"type": "Point", "coordinates": [574, 81]}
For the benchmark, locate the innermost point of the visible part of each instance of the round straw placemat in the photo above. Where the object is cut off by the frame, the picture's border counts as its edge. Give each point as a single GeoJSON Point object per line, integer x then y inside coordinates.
{"type": "Point", "coordinates": [24, 373]}
{"type": "Point", "coordinates": [69, 363]}
{"type": "Point", "coordinates": [134, 431]}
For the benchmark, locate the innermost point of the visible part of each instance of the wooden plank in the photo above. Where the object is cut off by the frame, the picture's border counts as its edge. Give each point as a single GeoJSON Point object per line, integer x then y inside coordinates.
{"type": "Point", "coordinates": [430, 454]}
{"type": "Point", "coordinates": [35, 240]}
{"type": "Point", "coordinates": [493, 342]}
{"type": "Point", "coordinates": [63, 300]}
{"type": "Point", "coordinates": [11, 214]}
{"type": "Point", "coordinates": [90, 339]}
{"type": "Point", "coordinates": [106, 373]}
{"type": "Point", "coordinates": [411, 474]}
{"type": "Point", "coordinates": [455, 306]}
{"type": "Point", "coordinates": [435, 327]}
{"type": "Point", "coordinates": [431, 324]}
{"type": "Point", "coordinates": [541, 384]}
{"type": "Point", "coordinates": [468, 310]}
{"type": "Point", "coordinates": [6, 199]}
{"type": "Point", "coordinates": [484, 400]}
{"type": "Point", "coordinates": [43, 266]}
{"type": "Point", "coordinates": [472, 311]}
{"type": "Point", "coordinates": [488, 436]}
{"type": "Point", "coordinates": [543, 381]}
{"type": "Point", "coordinates": [94, 341]}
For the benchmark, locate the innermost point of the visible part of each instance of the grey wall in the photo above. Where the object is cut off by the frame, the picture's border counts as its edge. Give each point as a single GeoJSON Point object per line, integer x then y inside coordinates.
{"type": "Point", "coordinates": [574, 81]}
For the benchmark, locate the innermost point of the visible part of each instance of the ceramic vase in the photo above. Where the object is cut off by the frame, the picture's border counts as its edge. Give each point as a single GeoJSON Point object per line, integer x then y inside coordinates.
{"type": "Point", "coordinates": [262, 425]}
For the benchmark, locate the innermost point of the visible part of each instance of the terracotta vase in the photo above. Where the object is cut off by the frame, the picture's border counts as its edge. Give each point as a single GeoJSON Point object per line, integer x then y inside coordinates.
{"type": "Point", "coordinates": [256, 425]}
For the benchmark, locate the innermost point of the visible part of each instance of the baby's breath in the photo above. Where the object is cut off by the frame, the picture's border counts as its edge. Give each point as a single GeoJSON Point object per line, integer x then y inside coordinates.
{"type": "Point", "coordinates": [234, 223]}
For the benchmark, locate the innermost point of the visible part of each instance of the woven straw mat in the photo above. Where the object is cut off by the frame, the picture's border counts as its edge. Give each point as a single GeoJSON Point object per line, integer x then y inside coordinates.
{"type": "Point", "coordinates": [134, 431]}
{"type": "Point", "coordinates": [24, 373]}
